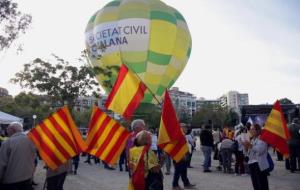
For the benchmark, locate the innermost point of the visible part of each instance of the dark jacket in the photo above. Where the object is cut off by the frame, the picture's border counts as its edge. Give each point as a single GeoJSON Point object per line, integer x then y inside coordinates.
{"type": "Point", "coordinates": [206, 138]}
{"type": "Point", "coordinates": [294, 129]}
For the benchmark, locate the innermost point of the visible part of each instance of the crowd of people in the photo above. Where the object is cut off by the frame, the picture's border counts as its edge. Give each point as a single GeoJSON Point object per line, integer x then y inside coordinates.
{"type": "Point", "coordinates": [250, 155]}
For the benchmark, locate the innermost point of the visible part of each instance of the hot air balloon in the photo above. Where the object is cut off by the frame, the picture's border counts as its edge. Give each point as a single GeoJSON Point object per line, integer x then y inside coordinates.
{"type": "Point", "coordinates": [151, 38]}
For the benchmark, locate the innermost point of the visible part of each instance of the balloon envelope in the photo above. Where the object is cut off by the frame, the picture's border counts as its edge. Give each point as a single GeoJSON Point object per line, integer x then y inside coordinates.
{"type": "Point", "coordinates": [150, 37]}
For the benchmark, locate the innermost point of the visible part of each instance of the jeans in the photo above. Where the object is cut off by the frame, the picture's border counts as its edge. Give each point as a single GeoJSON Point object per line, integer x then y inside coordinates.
{"type": "Point", "coordinates": [259, 178]}
{"type": "Point", "coordinates": [294, 155]}
{"type": "Point", "coordinates": [190, 159]}
{"type": "Point", "coordinates": [207, 156]}
{"type": "Point", "coordinates": [122, 161]}
{"type": "Point", "coordinates": [180, 170]}
{"type": "Point", "coordinates": [168, 163]}
{"type": "Point", "coordinates": [239, 162]}
{"type": "Point", "coordinates": [226, 159]}
{"type": "Point", "coordinates": [76, 162]}
{"type": "Point", "coordinates": [56, 182]}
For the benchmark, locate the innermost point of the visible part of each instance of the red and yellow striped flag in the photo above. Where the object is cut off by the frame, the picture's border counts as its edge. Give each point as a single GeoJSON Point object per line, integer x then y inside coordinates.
{"type": "Point", "coordinates": [275, 131]}
{"type": "Point", "coordinates": [137, 180]}
{"type": "Point", "coordinates": [106, 138]}
{"type": "Point", "coordinates": [171, 138]}
{"type": "Point", "coordinates": [57, 138]}
{"type": "Point", "coordinates": [126, 94]}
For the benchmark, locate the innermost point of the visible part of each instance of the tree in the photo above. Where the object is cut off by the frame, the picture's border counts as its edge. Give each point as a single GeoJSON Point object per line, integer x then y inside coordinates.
{"type": "Point", "coordinates": [285, 101]}
{"type": "Point", "coordinates": [25, 106]}
{"type": "Point", "coordinates": [232, 118]}
{"type": "Point", "coordinates": [82, 118]}
{"type": "Point", "coordinates": [7, 104]}
{"type": "Point", "coordinates": [13, 23]}
{"type": "Point", "coordinates": [216, 116]}
{"type": "Point", "coordinates": [184, 116]}
{"type": "Point", "coordinates": [59, 80]}
{"type": "Point", "coordinates": [150, 113]}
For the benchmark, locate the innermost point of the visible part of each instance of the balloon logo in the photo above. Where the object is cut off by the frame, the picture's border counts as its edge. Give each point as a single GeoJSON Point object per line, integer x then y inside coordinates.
{"type": "Point", "coordinates": [151, 38]}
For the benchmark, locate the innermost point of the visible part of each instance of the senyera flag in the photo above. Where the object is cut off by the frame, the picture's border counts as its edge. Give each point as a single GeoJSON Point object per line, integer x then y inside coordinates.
{"type": "Point", "coordinates": [275, 131]}
{"type": "Point", "coordinates": [106, 137]}
{"type": "Point", "coordinates": [171, 138]}
{"type": "Point", "coordinates": [57, 138]}
{"type": "Point", "coordinates": [126, 94]}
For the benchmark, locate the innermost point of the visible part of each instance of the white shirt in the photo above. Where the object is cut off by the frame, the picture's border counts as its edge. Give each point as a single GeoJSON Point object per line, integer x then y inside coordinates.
{"type": "Point", "coordinates": [258, 153]}
{"type": "Point", "coordinates": [189, 138]}
{"type": "Point", "coordinates": [154, 142]}
{"type": "Point", "coordinates": [239, 140]}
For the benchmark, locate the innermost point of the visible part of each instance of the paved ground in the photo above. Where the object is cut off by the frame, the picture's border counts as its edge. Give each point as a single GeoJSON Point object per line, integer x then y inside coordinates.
{"type": "Point", "coordinates": [95, 177]}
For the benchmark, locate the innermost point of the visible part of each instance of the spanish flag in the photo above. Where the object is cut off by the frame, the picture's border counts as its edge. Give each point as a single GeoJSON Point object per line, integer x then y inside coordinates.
{"type": "Point", "coordinates": [126, 94]}
{"type": "Point", "coordinates": [57, 138]}
{"type": "Point", "coordinates": [137, 165]}
{"type": "Point", "coordinates": [275, 131]}
{"type": "Point", "coordinates": [171, 138]}
{"type": "Point", "coordinates": [106, 138]}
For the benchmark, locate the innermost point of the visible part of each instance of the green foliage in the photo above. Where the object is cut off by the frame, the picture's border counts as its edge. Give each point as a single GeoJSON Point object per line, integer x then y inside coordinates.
{"type": "Point", "coordinates": [150, 113]}
{"type": "Point", "coordinates": [25, 106]}
{"type": "Point", "coordinates": [183, 116]}
{"type": "Point", "coordinates": [232, 118]}
{"type": "Point", "coordinates": [285, 101]}
{"type": "Point", "coordinates": [217, 115]}
{"type": "Point", "coordinates": [59, 80]}
{"type": "Point", "coordinates": [13, 23]}
{"type": "Point", "coordinates": [82, 118]}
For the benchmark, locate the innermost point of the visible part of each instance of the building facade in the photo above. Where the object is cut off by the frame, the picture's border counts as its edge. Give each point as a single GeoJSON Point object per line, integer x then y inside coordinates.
{"type": "Point", "coordinates": [85, 103]}
{"type": "Point", "coordinates": [183, 102]}
{"type": "Point", "coordinates": [201, 102]}
{"type": "Point", "coordinates": [234, 99]}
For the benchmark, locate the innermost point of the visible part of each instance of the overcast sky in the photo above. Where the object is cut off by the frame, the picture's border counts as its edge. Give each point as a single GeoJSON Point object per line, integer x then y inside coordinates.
{"type": "Point", "coordinates": [251, 46]}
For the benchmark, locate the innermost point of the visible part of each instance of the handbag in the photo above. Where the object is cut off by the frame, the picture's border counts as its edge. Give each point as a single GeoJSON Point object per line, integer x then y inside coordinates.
{"type": "Point", "coordinates": [154, 181]}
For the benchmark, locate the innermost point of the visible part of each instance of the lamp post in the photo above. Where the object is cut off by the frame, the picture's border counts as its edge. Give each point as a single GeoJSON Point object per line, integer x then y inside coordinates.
{"type": "Point", "coordinates": [34, 117]}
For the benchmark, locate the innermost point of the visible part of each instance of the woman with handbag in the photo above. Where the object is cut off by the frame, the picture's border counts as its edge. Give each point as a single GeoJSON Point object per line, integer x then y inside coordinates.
{"type": "Point", "coordinates": [258, 163]}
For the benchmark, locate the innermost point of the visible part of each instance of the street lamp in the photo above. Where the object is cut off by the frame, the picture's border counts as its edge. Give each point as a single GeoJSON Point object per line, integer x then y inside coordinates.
{"type": "Point", "coordinates": [34, 117]}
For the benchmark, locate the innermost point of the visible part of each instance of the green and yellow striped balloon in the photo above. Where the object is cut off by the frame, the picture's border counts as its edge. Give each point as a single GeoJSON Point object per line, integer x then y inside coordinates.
{"type": "Point", "coordinates": [150, 37]}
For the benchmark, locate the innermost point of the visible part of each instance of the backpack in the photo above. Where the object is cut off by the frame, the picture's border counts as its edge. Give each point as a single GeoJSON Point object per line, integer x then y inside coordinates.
{"type": "Point", "coordinates": [271, 163]}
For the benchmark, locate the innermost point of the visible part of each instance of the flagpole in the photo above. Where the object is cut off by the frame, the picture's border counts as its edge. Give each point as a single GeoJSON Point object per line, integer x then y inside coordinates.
{"type": "Point", "coordinates": [85, 52]}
